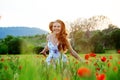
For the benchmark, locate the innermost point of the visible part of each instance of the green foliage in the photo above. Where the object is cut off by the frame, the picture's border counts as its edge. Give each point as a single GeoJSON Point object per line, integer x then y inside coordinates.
{"type": "Point", "coordinates": [107, 38]}
{"type": "Point", "coordinates": [98, 48]}
{"type": "Point", "coordinates": [26, 47]}
{"type": "Point", "coordinates": [3, 48]}
{"type": "Point", "coordinates": [4, 44]}
{"type": "Point", "coordinates": [116, 38]}
{"type": "Point", "coordinates": [38, 49]}
{"type": "Point", "coordinates": [108, 41]}
{"type": "Point", "coordinates": [21, 45]}
{"type": "Point", "coordinates": [33, 67]}
{"type": "Point", "coordinates": [36, 40]}
{"type": "Point", "coordinates": [7, 39]}
{"type": "Point", "coordinates": [97, 42]}
{"type": "Point", "coordinates": [14, 46]}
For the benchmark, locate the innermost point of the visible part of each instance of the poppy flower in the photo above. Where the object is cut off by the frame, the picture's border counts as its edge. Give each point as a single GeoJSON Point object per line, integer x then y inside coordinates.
{"type": "Point", "coordinates": [5, 67]}
{"type": "Point", "coordinates": [66, 78]}
{"type": "Point", "coordinates": [101, 76]}
{"type": "Point", "coordinates": [84, 72]}
{"type": "Point", "coordinates": [103, 59]}
{"type": "Point", "coordinates": [104, 71]}
{"type": "Point", "coordinates": [95, 64]}
{"type": "Point", "coordinates": [109, 64]}
{"type": "Point", "coordinates": [110, 57]}
{"type": "Point", "coordinates": [118, 62]}
{"type": "Point", "coordinates": [115, 68]}
{"type": "Point", "coordinates": [20, 67]}
{"type": "Point", "coordinates": [86, 62]}
{"type": "Point", "coordinates": [98, 69]}
{"type": "Point", "coordinates": [92, 54]}
{"type": "Point", "coordinates": [2, 59]}
{"type": "Point", "coordinates": [76, 62]}
{"type": "Point", "coordinates": [87, 56]}
{"type": "Point", "coordinates": [54, 78]}
{"type": "Point", "coordinates": [118, 51]}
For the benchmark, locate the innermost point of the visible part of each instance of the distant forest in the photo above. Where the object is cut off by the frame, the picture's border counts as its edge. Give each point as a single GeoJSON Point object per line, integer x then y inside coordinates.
{"type": "Point", "coordinates": [20, 31]}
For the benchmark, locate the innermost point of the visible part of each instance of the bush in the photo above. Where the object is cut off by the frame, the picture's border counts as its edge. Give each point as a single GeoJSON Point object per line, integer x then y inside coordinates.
{"type": "Point", "coordinates": [116, 38]}
{"type": "Point", "coordinates": [38, 49]}
{"type": "Point", "coordinates": [3, 49]}
{"type": "Point", "coordinates": [98, 48]}
{"type": "Point", "coordinates": [14, 46]}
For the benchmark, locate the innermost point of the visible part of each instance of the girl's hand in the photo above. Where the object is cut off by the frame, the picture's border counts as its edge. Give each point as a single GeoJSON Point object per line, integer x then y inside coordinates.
{"type": "Point", "coordinates": [43, 53]}
{"type": "Point", "coordinates": [82, 60]}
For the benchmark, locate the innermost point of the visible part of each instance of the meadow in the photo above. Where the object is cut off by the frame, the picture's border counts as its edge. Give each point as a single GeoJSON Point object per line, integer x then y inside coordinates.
{"type": "Point", "coordinates": [33, 67]}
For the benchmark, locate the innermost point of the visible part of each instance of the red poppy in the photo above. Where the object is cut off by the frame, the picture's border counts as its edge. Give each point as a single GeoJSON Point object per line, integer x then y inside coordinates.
{"type": "Point", "coordinates": [54, 78]}
{"type": "Point", "coordinates": [110, 57]}
{"type": "Point", "coordinates": [37, 56]}
{"type": "Point", "coordinates": [66, 78]}
{"type": "Point", "coordinates": [87, 56]}
{"type": "Point", "coordinates": [95, 64]}
{"type": "Point", "coordinates": [103, 59]}
{"type": "Point", "coordinates": [118, 51]}
{"type": "Point", "coordinates": [20, 67]}
{"type": "Point", "coordinates": [2, 59]}
{"type": "Point", "coordinates": [96, 73]}
{"type": "Point", "coordinates": [86, 62]}
{"type": "Point", "coordinates": [115, 68]}
{"type": "Point", "coordinates": [101, 76]}
{"type": "Point", "coordinates": [84, 72]}
{"type": "Point", "coordinates": [104, 71]}
{"type": "Point", "coordinates": [118, 62]}
{"type": "Point", "coordinates": [92, 54]}
{"type": "Point", "coordinates": [98, 69]}
{"type": "Point", "coordinates": [109, 64]}
{"type": "Point", "coordinates": [76, 62]}
{"type": "Point", "coordinates": [5, 67]}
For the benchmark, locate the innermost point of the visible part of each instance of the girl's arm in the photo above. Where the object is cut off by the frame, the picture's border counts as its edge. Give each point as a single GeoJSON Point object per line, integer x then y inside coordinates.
{"type": "Point", "coordinates": [74, 53]}
{"type": "Point", "coordinates": [45, 48]}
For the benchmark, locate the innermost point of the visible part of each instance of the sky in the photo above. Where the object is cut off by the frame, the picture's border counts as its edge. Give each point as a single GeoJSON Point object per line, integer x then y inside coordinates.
{"type": "Point", "coordinates": [38, 13]}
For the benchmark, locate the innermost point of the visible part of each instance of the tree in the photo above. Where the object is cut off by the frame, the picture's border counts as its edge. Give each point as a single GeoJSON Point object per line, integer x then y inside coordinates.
{"type": "Point", "coordinates": [97, 42]}
{"type": "Point", "coordinates": [14, 46]}
{"type": "Point", "coordinates": [107, 39]}
{"type": "Point", "coordinates": [116, 38]}
{"type": "Point", "coordinates": [3, 48]}
{"type": "Point", "coordinates": [81, 29]}
{"type": "Point", "coordinates": [7, 39]}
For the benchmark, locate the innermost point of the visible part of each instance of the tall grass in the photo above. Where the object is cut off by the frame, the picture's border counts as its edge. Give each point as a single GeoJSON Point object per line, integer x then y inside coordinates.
{"type": "Point", "coordinates": [34, 67]}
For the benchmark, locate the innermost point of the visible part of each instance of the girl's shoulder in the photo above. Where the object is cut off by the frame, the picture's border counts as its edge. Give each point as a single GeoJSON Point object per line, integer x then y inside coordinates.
{"type": "Point", "coordinates": [48, 37]}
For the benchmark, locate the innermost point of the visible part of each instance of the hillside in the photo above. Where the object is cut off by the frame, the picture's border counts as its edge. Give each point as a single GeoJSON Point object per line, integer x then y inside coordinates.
{"type": "Point", "coordinates": [20, 31]}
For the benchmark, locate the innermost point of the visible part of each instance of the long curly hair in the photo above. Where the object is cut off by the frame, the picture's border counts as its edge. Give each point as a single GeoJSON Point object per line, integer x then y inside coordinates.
{"type": "Point", "coordinates": [62, 36]}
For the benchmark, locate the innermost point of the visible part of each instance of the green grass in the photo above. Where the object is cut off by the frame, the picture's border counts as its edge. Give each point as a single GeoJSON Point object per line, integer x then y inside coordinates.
{"type": "Point", "coordinates": [33, 67]}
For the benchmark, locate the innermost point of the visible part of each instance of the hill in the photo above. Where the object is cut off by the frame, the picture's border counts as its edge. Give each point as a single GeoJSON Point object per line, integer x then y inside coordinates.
{"type": "Point", "coordinates": [20, 31]}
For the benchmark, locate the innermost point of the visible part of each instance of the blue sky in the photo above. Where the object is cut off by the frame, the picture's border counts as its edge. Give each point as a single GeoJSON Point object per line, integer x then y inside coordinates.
{"type": "Point", "coordinates": [38, 13]}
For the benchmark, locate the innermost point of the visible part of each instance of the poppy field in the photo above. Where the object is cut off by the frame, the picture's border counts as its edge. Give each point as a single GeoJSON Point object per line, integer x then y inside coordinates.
{"type": "Point", "coordinates": [33, 67]}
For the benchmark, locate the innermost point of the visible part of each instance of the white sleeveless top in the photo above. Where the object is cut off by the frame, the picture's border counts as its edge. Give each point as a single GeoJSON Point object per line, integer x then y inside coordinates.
{"type": "Point", "coordinates": [54, 53]}
{"type": "Point", "coordinates": [53, 49]}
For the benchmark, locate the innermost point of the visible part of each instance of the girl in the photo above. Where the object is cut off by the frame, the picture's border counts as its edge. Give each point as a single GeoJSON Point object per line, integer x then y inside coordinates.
{"type": "Point", "coordinates": [58, 44]}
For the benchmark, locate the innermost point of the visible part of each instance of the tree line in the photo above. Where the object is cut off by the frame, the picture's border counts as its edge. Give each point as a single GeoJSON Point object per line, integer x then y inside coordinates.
{"type": "Point", "coordinates": [85, 35]}
{"type": "Point", "coordinates": [22, 45]}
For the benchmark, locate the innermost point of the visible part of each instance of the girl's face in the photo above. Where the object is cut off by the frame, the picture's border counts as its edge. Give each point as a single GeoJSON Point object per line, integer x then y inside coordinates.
{"type": "Point", "coordinates": [56, 28]}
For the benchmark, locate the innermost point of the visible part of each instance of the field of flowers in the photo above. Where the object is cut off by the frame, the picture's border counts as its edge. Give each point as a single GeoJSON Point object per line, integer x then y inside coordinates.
{"type": "Point", "coordinates": [33, 67]}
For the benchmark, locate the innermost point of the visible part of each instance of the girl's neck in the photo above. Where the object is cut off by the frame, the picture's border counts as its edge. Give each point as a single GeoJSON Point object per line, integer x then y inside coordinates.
{"type": "Point", "coordinates": [54, 39]}
{"type": "Point", "coordinates": [55, 35]}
